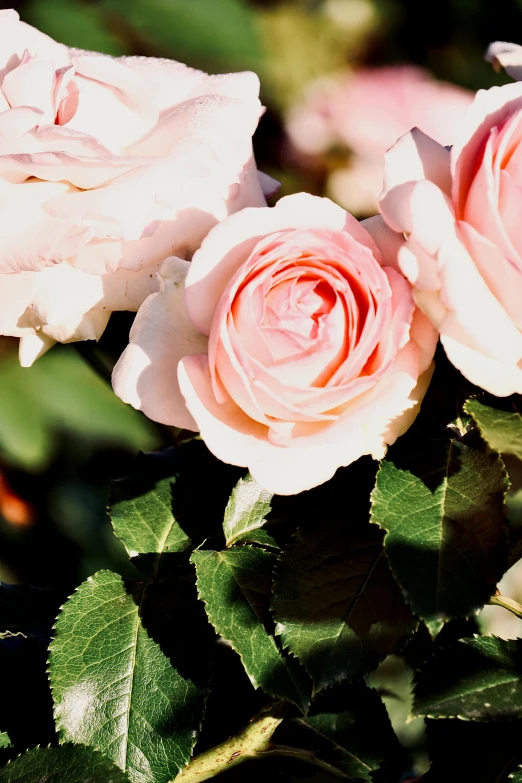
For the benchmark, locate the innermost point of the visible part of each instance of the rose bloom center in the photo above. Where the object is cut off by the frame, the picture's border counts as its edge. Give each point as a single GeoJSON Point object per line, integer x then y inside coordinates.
{"type": "Point", "coordinates": [304, 312]}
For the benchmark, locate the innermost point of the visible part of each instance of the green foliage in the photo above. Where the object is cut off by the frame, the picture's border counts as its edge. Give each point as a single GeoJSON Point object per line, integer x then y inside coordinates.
{"type": "Point", "coordinates": [441, 505]}
{"type": "Point", "coordinates": [336, 604]}
{"type": "Point", "coordinates": [74, 23]}
{"type": "Point", "coordinates": [476, 679]}
{"type": "Point", "coordinates": [144, 521]}
{"type": "Point", "coordinates": [61, 393]}
{"type": "Point", "coordinates": [235, 587]}
{"type": "Point", "coordinates": [4, 740]}
{"type": "Point", "coordinates": [350, 729]}
{"type": "Point", "coordinates": [214, 34]}
{"type": "Point", "coordinates": [499, 421]}
{"type": "Point", "coordinates": [246, 511]}
{"type": "Point", "coordinates": [115, 690]}
{"type": "Point", "coordinates": [71, 763]}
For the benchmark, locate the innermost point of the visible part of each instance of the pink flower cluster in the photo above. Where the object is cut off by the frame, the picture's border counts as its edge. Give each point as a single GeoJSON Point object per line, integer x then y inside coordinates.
{"type": "Point", "coordinates": [293, 338]}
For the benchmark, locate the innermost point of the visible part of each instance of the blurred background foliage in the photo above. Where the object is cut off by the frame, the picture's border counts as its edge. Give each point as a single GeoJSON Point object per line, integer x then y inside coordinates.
{"type": "Point", "coordinates": [63, 434]}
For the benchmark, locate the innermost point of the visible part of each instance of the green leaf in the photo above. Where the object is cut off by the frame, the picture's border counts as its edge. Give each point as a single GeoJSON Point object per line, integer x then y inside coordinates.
{"type": "Point", "coordinates": [441, 502]}
{"type": "Point", "coordinates": [336, 604]}
{"type": "Point", "coordinates": [350, 729]}
{"type": "Point", "coordinates": [60, 393]}
{"type": "Point", "coordinates": [235, 587]}
{"type": "Point", "coordinates": [476, 679]}
{"type": "Point", "coordinates": [5, 742]}
{"type": "Point", "coordinates": [259, 536]}
{"type": "Point", "coordinates": [159, 509]}
{"type": "Point", "coordinates": [214, 34]}
{"type": "Point", "coordinates": [68, 764]}
{"type": "Point", "coordinates": [143, 519]}
{"type": "Point", "coordinates": [516, 776]}
{"type": "Point", "coordinates": [246, 510]}
{"type": "Point", "coordinates": [499, 421]}
{"type": "Point", "coordinates": [74, 23]}
{"type": "Point", "coordinates": [115, 690]}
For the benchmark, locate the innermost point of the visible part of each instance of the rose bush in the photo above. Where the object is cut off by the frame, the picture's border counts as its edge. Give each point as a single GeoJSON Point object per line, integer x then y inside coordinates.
{"type": "Point", "coordinates": [107, 166]}
{"type": "Point", "coordinates": [291, 342]}
{"type": "Point", "coordinates": [461, 213]}
{"type": "Point", "coordinates": [368, 110]}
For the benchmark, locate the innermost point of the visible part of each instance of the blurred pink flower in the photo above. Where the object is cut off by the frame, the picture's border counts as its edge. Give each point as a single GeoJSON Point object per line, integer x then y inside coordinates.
{"type": "Point", "coordinates": [367, 111]}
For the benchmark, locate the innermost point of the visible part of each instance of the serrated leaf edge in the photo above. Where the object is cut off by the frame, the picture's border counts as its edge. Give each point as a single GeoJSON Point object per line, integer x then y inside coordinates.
{"type": "Point", "coordinates": [256, 685]}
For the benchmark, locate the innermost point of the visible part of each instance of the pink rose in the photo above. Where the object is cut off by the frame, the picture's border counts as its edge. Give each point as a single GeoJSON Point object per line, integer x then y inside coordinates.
{"type": "Point", "coordinates": [291, 342]}
{"type": "Point", "coordinates": [107, 166]}
{"type": "Point", "coordinates": [461, 211]}
{"type": "Point", "coordinates": [368, 110]}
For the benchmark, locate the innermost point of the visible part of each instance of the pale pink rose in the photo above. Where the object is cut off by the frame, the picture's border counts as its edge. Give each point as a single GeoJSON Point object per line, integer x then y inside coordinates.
{"type": "Point", "coordinates": [108, 166]}
{"type": "Point", "coordinates": [291, 342]}
{"type": "Point", "coordinates": [368, 110]}
{"type": "Point", "coordinates": [461, 211]}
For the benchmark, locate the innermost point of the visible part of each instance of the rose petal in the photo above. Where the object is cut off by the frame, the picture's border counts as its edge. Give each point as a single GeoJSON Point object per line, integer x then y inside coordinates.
{"type": "Point", "coordinates": [422, 210]}
{"type": "Point", "coordinates": [466, 293]}
{"type": "Point", "coordinates": [171, 82]}
{"type": "Point", "coordinates": [502, 276]}
{"type": "Point", "coordinates": [230, 244]}
{"type": "Point", "coordinates": [388, 241]}
{"type": "Point", "coordinates": [31, 238]}
{"type": "Point", "coordinates": [506, 55]}
{"type": "Point", "coordinates": [495, 376]}
{"type": "Point", "coordinates": [414, 157]}
{"type": "Point", "coordinates": [418, 266]}
{"type": "Point", "coordinates": [16, 293]}
{"type": "Point", "coordinates": [235, 439]}
{"type": "Point", "coordinates": [32, 346]}
{"type": "Point", "coordinates": [146, 373]}
{"type": "Point", "coordinates": [490, 108]}
{"type": "Point", "coordinates": [17, 37]}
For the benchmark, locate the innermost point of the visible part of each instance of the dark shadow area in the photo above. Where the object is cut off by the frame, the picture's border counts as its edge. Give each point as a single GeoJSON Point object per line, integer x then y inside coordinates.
{"type": "Point", "coordinates": [468, 750]}
{"type": "Point", "coordinates": [26, 710]}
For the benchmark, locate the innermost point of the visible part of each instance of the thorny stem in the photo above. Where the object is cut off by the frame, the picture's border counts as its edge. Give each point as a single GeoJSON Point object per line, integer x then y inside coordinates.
{"type": "Point", "coordinates": [254, 741]}
{"type": "Point", "coordinates": [253, 738]}
{"type": "Point", "coordinates": [506, 603]}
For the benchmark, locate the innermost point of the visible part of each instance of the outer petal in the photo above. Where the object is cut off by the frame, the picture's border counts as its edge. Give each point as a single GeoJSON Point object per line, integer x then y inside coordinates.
{"type": "Point", "coordinates": [88, 326]}
{"type": "Point", "coordinates": [171, 82]}
{"type": "Point", "coordinates": [502, 54]}
{"type": "Point", "coordinates": [16, 37]}
{"type": "Point", "coordinates": [497, 377]}
{"type": "Point", "coordinates": [502, 276]}
{"type": "Point", "coordinates": [490, 107]}
{"type": "Point", "coordinates": [32, 346]}
{"type": "Point", "coordinates": [474, 307]}
{"type": "Point", "coordinates": [415, 156]}
{"type": "Point", "coordinates": [83, 171]}
{"type": "Point", "coordinates": [388, 241]}
{"type": "Point", "coordinates": [31, 238]}
{"type": "Point", "coordinates": [146, 373]}
{"type": "Point", "coordinates": [231, 242]}
{"type": "Point", "coordinates": [236, 439]}
{"type": "Point", "coordinates": [16, 293]}
{"type": "Point", "coordinates": [114, 103]}
{"type": "Point", "coordinates": [418, 266]}
{"type": "Point", "coordinates": [422, 210]}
